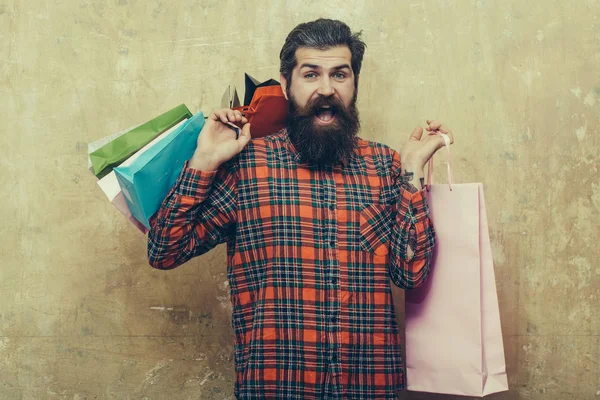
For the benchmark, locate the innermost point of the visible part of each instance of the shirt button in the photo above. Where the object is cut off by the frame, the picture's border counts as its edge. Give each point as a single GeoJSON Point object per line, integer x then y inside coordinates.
{"type": "Point", "coordinates": [333, 320]}
{"type": "Point", "coordinates": [332, 243]}
{"type": "Point", "coordinates": [332, 207]}
{"type": "Point", "coordinates": [334, 281]}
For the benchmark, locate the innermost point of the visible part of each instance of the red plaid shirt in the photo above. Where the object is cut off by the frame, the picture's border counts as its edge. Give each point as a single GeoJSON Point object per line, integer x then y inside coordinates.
{"type": "Point", "coordinates": [310, 254]}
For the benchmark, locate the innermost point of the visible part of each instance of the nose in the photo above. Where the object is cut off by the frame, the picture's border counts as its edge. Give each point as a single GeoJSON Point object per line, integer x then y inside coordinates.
{"type": "Point", "coordinates": [325, 87]}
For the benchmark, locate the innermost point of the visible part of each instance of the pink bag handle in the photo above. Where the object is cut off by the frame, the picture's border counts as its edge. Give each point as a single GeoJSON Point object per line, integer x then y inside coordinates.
{"type": "Point", "coordinates": [430, 163]}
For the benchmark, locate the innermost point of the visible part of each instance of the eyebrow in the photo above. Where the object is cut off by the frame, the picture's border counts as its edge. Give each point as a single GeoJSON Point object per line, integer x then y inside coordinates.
{"type": "Point", "coordinates": [315, 66]}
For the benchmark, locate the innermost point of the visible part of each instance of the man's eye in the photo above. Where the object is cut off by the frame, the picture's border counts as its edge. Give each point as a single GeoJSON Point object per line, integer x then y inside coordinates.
{"type": "Point", "coordinates": [339, 75]}
{"type": "Point", "coordinates": [310, 75]}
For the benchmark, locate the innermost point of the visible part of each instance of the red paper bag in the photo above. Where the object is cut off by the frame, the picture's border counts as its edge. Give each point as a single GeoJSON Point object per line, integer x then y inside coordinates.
{"type": "Point", "coordinates": [267, 111]}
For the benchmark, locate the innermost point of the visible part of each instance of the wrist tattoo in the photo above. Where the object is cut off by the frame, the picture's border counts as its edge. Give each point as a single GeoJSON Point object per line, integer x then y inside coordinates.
{"type": "Point", "coordinates": [408, 176]}
{"type": "Point", "coordinates": [406, 179]}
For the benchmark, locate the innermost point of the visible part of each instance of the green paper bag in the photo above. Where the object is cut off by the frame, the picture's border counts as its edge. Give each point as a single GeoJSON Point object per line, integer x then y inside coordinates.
{"type": "Point", "coordinates": [115, 152]}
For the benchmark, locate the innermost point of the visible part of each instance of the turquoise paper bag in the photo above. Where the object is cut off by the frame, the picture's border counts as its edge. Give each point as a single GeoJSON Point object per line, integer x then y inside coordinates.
{"type": "Point", "coordinates": [147, 180]}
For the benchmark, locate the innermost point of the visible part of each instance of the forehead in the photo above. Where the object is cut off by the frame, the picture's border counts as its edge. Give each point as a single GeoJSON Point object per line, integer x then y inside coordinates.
{"type": "Point", "coordinates": [331, 57]}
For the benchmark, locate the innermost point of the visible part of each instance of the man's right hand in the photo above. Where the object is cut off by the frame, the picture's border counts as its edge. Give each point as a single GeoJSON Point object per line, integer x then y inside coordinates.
{"type": "Point", "coordinates": [217, 142]}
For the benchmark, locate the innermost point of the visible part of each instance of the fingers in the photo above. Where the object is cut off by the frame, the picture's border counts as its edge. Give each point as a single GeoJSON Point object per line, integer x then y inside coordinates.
{"type": "Point", "coordinates": [434, 142]}
{"type": "Point", "coordinates": [236, 116]}
{"type": "Point", "coordinates": [220, 115]}
{"type": "Point", "coordinates": [434, 125]}
{"type": "Point", "coordinates": [228, 115]}
{"type": "Point", "coordinates": [239, 117]}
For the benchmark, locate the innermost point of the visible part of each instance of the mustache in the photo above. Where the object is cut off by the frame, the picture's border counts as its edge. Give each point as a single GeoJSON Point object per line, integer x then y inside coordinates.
{"type": "Point", "coordinates": [313, 106]}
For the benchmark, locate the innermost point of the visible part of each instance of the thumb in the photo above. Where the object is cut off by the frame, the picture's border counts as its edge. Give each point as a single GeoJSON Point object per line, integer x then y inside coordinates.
{"type": "Point", "coordinates": [245, 135]}
{"type": "Point", "coordinates": [416, 134]}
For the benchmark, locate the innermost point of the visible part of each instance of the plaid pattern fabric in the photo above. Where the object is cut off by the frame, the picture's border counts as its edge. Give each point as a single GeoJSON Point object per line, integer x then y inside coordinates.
{"type": "Point", "coordinates": [310, 253]}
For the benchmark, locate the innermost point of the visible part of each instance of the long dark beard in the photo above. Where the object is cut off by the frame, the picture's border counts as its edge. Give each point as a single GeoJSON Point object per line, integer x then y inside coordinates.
{"type": "Point", "coordinates": [323, 145]}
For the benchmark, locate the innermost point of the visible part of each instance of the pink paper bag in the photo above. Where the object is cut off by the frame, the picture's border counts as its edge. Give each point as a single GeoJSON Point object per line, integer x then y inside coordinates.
{"type": "Point", "coordinates": [453, 335]}
{"type": "Point", "coordinates": [112, 190]}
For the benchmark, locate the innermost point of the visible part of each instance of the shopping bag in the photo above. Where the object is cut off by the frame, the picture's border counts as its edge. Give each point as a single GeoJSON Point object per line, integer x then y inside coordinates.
{"type": "Point", "coordinates": [230, 98]}
{"type": "Point", "coordinates": [108, 183]}
{"type": "Point", "coordinates": [265, 106]}
{"type": "Point", "coordinates": [453, 334]}
{"type": "Point", "coordinates": [112, 190]}
{"type": "Point", "coordinates": [251, 84]}
{"type": "Point", "coordinates": [267, 111]}
{"type": "Point", "coordinates": [95, 145]}
{"type": "Point", "coordinates": [118, 150]}
{"type": "Point", "coordinates": [147, 177]}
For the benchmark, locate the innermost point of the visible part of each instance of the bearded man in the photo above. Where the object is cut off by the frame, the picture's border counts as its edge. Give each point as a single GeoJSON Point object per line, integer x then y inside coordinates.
{"type": "Point", "coordinates": [317, 221]}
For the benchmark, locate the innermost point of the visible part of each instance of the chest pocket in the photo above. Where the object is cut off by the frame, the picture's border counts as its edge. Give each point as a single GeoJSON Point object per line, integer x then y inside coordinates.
{"type": "Point", "coordinates": [375, 228]}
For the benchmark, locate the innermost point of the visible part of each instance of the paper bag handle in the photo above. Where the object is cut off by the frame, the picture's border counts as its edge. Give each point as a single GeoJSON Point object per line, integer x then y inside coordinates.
{"type": "Point", "coordinates": [449, 164]}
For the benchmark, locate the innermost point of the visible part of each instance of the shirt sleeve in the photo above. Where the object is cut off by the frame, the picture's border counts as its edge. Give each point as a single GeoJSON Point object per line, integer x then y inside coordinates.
{"type": "Point", "coordinates": [198, 213]}
{"type": "Point", "coordinates": [412, 229]}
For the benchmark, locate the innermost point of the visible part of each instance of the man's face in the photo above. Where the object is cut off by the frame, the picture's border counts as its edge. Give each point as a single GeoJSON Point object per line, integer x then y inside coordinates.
{"type": "Point", "coordinates": [323, 119]}
{"type": "Point", "coordinates": [322, 73]}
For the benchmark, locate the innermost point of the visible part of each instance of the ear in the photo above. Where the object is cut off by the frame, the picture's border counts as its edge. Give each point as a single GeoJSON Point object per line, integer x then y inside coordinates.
{"type": "Point", "coordinates": [283, 85]}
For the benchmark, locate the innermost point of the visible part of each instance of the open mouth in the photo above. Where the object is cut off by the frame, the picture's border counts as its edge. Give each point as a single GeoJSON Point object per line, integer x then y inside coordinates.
{"type": "Point", "coordinates": [325, 115]}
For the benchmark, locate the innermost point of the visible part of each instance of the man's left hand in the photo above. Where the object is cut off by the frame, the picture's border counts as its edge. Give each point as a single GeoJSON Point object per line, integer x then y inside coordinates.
{"type": "Point", "coordinates": [418, 150]}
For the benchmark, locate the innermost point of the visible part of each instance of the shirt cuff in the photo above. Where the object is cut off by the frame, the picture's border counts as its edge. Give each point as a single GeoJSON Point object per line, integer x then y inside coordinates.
{"type": "Point", "coordinates": [418, 206]}
{"type": "Point", "coordinates": [194, 183]}
{"type": "Point", "coordinates": [415, 203]}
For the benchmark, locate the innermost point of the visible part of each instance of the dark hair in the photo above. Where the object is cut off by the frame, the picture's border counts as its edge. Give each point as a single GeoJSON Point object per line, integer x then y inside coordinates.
{"type": "Point", "coordinates": [321, 34]}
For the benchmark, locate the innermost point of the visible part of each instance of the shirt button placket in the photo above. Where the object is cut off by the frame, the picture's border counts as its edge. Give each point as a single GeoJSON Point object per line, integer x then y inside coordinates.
{"type": "Point", "coordinates": [331, 275]}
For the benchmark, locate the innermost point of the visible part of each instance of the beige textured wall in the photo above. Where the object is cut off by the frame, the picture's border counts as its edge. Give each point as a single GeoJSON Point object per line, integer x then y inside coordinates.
{"type": "Point", "coordinates": [83, 316]}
